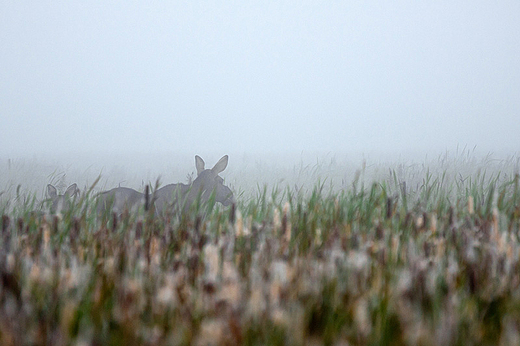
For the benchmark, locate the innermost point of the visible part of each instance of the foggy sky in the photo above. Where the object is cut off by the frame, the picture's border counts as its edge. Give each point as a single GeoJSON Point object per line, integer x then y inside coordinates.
{"type": "Point", "coordinates": [258, 76]}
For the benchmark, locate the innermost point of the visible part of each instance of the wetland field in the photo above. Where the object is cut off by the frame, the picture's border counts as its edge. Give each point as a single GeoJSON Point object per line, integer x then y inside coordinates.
{"type": "Point", "coordinates": [328, 251]}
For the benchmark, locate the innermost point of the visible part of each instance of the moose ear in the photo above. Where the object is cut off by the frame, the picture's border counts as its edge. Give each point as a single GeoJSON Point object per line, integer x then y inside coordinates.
{"type": "Point", "coordinates": [199, 164]}
{"type": "Point", "coordinates": [220, 165]}
{"type": "Point", "coordinates": [51, 191]}
{"type": "Point", "coordinates": [72, 190]}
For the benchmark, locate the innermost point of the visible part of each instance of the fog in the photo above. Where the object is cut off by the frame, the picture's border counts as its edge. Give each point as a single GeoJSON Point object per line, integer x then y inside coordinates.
{"type": "Point", "coordinates": [144, 86]}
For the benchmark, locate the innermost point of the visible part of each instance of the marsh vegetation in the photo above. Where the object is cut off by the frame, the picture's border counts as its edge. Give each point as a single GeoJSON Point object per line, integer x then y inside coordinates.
{"type": "Point", "coordinates": [408, 255]}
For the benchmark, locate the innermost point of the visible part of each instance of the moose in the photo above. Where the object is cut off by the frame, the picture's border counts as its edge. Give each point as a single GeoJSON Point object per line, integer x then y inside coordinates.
{"type": "Point", "coordinates": [181, 196]}
{"type": "Point", "coordinates": [173, 197]}
{"type": "Point", "coordinates": [61, 203]}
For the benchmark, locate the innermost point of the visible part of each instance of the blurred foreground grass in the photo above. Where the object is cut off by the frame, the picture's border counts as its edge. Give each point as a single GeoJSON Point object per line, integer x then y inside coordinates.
{"type": "Point", "coordinates": [366, 265]}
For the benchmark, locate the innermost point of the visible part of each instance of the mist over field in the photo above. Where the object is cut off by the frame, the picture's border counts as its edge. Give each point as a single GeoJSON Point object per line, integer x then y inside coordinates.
{"type": "Point", "coordinates": [297, 94]}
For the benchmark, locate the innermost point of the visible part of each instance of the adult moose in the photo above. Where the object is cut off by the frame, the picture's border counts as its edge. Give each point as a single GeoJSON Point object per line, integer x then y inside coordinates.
{"type": "Point", "coordinates": [119, 199]}
{"type": "Point", "coordinates": [172, 198]}
{"type": "Point", "coordinates": [180, 197]}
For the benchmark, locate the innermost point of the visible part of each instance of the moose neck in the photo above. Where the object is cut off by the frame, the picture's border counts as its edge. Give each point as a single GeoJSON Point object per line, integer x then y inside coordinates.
{"type": "Point", "coordinates": [201, 185]}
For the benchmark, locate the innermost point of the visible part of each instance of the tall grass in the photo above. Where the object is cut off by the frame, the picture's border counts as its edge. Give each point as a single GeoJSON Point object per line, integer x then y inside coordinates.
{"type": "Point", "coordinates": [431, 260]}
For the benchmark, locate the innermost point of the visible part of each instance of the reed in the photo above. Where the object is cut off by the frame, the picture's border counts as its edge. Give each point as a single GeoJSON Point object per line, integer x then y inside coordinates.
{"type": "Point", "coordinates": [377, 263]}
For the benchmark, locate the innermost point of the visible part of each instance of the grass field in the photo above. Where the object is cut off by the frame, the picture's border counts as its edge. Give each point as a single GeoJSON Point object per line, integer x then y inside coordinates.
{"type": "Point", "coordinates": [404, 255]}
